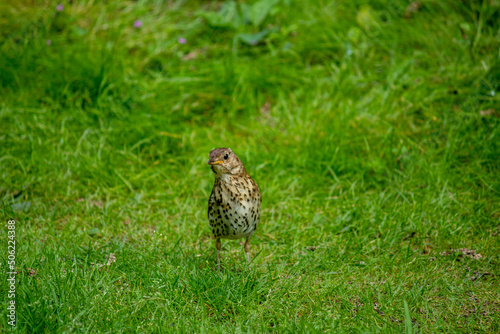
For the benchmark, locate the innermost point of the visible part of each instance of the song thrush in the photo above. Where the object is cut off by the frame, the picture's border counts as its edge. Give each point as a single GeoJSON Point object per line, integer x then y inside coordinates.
{"type": "Point", "coordinates": [234, 205]}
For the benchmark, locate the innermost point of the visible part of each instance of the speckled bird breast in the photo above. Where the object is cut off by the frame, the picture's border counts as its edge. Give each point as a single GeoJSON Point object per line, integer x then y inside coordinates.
{"type": "Point", "coordinates": [234, 207]}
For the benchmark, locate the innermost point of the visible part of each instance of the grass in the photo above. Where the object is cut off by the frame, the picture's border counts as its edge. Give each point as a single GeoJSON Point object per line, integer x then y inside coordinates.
{"type": "Point", "coordinates": [372, 128]}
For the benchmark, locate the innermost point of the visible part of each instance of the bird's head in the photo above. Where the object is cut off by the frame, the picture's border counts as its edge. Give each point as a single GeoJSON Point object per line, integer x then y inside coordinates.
{"type": "Point", "coordinates": [224, 161]}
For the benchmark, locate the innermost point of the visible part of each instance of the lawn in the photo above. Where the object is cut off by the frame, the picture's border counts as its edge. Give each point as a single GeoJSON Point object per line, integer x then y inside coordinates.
{"type": "Point", "coordinates": [371, 127]}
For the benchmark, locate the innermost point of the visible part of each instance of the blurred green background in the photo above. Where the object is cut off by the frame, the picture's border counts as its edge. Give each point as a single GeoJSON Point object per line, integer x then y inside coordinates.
{"type": "Point", "coordinates": [371, 127]}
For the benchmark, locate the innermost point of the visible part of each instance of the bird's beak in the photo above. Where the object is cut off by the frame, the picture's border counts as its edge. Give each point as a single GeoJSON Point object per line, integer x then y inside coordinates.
{"type": "Point", "coordinates": [218, 162]}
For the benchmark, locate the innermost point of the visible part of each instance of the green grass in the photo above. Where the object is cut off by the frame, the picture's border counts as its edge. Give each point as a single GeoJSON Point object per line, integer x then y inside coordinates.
{"type": "Point", "coordinates": [374, 136]}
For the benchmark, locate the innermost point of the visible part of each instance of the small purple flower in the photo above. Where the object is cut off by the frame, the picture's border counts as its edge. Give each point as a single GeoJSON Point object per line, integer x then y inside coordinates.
{"type": "Point", "coordinates": [48, 42]}
{"type": "Point", "coordinates": [137, 24]}
{"type": "Point", "coordinates": [60, 8]}
{"type": "Point", "coordinates": [182, 40]}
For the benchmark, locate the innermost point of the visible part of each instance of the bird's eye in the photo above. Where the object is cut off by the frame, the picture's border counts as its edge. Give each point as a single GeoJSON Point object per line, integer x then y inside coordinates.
{"type": "Point", "coordinates": [226, 156]}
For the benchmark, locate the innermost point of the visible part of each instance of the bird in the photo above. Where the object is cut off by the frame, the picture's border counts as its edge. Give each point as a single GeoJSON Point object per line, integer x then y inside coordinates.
{"type": "Point", "coordinates": [235, 201]}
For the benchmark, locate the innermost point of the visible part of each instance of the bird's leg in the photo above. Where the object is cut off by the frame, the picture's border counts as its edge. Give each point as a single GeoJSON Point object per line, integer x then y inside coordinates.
{"type": "Point", "coordinates": [218, 246]}
{"type": "Point", "coordinates": [247, 248]}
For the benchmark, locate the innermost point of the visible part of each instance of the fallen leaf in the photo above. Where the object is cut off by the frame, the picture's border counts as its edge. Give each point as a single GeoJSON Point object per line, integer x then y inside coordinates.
{"type": "Point", "coordinates": [266, 108]}
{"type": "Point", "coordinates": [487, 112]}
{"type": "Point", "coordinates": [191, 55]}
{"type": "Point", "coordinates": [471, 253]}
{"type": "Point", "coordinates": [412, 9]}
{"type": "Point", "coordinates": [270, 236]}
{"type": "Point", "coordinates": [111, 259]}
{"type": "Point", "coordinates": [97, 203]}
